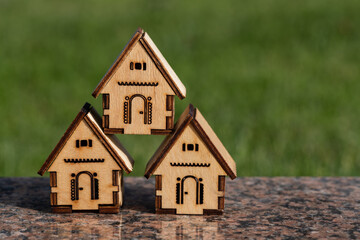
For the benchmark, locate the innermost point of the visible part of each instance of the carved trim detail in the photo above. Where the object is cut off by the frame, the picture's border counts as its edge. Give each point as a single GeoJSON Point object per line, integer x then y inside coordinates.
{"type": "Point", "coordinates": [83, 160]}
{"type": "Point", "coordinates": [147, 108]}
{"type": "Point", "coordinates": [190, 164]}
{"type": "Point", "coordinates": [145, 84]}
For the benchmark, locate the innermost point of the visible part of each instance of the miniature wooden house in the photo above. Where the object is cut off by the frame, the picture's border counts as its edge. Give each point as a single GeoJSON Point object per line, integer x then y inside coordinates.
{"type": "Point", "coordinates": [138, 90]}
{"type": "Point", "coordinates": [86, 167]}
{"type": "Point", "coordinates": [190, 168]}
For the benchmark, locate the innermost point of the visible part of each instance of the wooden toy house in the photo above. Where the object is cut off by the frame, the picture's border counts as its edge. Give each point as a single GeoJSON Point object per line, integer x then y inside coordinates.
{"type": "Point", "coordinates": [138, 90]}
{"type": "Point", "coordinates": [86, 167]}
{"type": "Point", "coordinates": [190, 168]}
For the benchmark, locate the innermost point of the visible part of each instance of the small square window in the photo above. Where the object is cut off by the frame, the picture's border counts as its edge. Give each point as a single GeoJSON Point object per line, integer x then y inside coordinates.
{"type": "Point", "coordinates": [83, 143]}
{"type": "Point", "coordinates": [190, 147]}
{"type": "Point", "coordinates": [138, 66]}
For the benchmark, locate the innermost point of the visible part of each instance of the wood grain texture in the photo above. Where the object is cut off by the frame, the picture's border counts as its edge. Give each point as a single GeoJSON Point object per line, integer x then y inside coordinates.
{"type": "Point", "coordinates": [191, 115]}
{"type": "Point", "coordinates": [87, 171]}
{"type": "Point", "coordinates": [192, 176]}
{"type": "Point", "coordinates": [84, 110]}
{"type": "Point", "coordinates": [139, 90]}
{"type": "Point", "coordinates": [139, 32]}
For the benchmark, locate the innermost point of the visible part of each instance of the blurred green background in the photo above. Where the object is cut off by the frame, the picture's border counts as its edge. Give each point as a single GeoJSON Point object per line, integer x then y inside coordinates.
{"type": "Point", "coordinates": [279, 81]}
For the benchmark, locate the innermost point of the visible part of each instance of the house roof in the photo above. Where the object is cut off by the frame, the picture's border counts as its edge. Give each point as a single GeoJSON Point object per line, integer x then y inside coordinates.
{"type": "Point", "coordinates": [193, 116]}
{"type": "Point", "coordinates": [110, 142]}
{"type": "Point", "coordinates": [155, 54]}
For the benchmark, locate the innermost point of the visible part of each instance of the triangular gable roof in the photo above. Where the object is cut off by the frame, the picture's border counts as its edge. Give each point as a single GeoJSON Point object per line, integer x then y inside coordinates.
{"type": "Point", "coordinates": [155, 54]}
{"type": "Point", "coordinates": [110, 142]}
{"type": "Point", "coordinates": [193, 116]}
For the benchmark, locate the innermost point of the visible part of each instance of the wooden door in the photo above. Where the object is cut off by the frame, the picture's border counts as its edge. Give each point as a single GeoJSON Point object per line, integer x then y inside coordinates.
{"type": "Point", "coordinates": [138, 111]}
{"type": "Point", "coordinates": [85, 187]}
{"type": "Point", "coordinates": [190, 191]}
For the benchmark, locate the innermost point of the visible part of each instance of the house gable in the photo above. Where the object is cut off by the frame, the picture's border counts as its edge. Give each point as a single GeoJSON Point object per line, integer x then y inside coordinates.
{"type": "Point", "coordinates": [88, 122]}
{"type": "Point", "coordinates": [191, 153]}
{"type": "Point", "coordinates": [192, 118]}
{"type": "Point", "coordinates": [137, 70]}
{"type": "Point", "coordinates": [141, 45]}
{"type": "Point", "coordinates": [83, 149]}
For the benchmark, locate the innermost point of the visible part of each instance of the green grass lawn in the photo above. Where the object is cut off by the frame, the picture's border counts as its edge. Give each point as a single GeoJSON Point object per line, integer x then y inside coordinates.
{"type": "Point", "coordinates": [279, 81]}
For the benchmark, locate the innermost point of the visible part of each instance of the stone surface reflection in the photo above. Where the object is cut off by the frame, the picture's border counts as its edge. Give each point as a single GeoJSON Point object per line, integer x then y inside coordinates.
{"type": "Point", "coordinates": [255, 208]}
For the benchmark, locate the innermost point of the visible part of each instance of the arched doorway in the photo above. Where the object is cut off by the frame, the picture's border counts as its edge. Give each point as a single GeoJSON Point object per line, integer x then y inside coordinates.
{"type": "Point", "coordinates": [84, 186]}
{"type": "Point", "coordinates": [189, 189]}
{"type": "Point", "coordinates": [137, 107]}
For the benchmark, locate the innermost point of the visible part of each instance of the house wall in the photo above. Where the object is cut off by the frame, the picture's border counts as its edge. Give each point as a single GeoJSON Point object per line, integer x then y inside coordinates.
{"type": "Point", "coordinates": [117, 94]}
{"type": "Point", "coordinates": [104, 171]}
{"type": "Point", "coordinates": [170, 174]}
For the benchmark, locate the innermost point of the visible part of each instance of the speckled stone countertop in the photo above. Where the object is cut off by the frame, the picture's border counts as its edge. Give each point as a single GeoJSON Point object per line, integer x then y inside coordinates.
{"type": "Point", "coordinates": [254, 208]}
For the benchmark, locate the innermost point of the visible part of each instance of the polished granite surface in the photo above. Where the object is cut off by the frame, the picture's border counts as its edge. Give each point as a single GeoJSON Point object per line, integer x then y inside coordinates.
{"type": "Point", "coordinates": [289, 208]}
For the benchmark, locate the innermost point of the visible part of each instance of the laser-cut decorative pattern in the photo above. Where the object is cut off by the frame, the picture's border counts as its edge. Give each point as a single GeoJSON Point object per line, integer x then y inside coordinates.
{"type": "Point", "coordinates": [94, 185]}
{"type": "Point", "coordinates": [126, 112]}
{"type": "Point", "coordinates": [73, 189]}
{"type": "Point", "coordinates": [83, 160]}
{"type": "Point", "coordinates": [180, 189]}
{"type": "Point", "coordinates": [190, 164]}
{"type": "Point", "coordinates": [147, 109]}
{"type": "Point", "coordinates": [96, 188]}
{"type": "Point", "coordinates": [177, 193]}
{"type": "Point", "coordinates": [201, 193]}
{"type": "Point", "coordinates": [144, 84]}
{"type": "Point", "coordinates": [150, 112]}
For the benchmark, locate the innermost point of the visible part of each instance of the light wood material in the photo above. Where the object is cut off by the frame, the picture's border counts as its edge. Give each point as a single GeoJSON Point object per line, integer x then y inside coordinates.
{"type": "Point", "coordinates": [86, 167]}
{"type": "Point", "coordinates": [139, 90]}
{"type": "Point", "coordinates": [190, 166]}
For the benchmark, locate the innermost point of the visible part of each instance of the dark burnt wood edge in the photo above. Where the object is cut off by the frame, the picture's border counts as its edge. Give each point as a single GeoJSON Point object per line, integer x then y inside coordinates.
{"type": "Point", "coordinates": [221, 183]}
{"type": "Point", "coordinates": [169, 122]}
{"type": "Point", "coordinates": [112, 152]}
{"type": "Point", "coordinates": [221, 203]}
{"type": "Point", "coordinates": [161, 68]}
{"type": "Point", "coordinates": [113, 130]}
{"type": "Point", "coordinates": [213, 148]}
{"type": "Point", "coordinates": [53, 179]}
{"type": "Point", "coordinates": [62, 209]}
{"type": "Point", "coordinates": [165, 211]}
{"type": "Point", "coordinates": [115, 177]}
{"type": "Point", "coordinates": [158, 201]}
{"type": "Point", "coordinates": [106, 101]}
{"type": "Point", "coordinates": [105, 122]}
{"type": "Point", "coordinates": [111, 208]}
{"type": "Point", "coordinates": [136, 36]}
{"type": "Point", "coordinates": [161, 131]}
{"type": "Point", "coordinates": [84, 110]}
{"type": "Point", "coordinates": [213, 212]}
{"type": "Point", "coordinates": [170, 103]}
{"type": "Point", "coordinates": [158, 182]}
{"type": "Point", "coordinates": [172, 141]}
{"type": "Point", "coordinates": [53, 199]}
